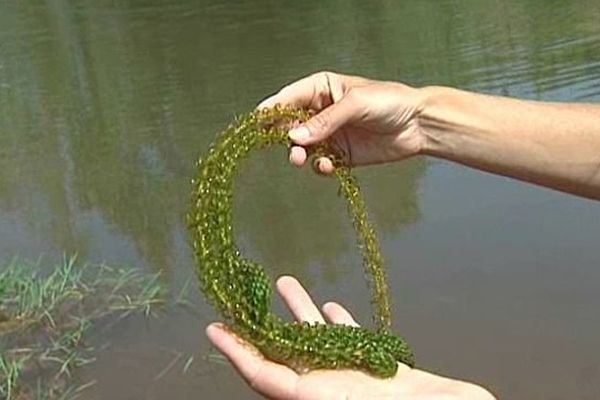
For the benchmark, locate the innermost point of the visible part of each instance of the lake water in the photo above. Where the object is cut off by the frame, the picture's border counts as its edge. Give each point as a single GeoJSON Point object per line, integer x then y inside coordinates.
{"type": "Point", "coordinates": [105, 105]}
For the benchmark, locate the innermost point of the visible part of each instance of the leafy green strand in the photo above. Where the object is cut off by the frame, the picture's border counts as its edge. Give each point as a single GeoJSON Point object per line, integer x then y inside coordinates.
{"type": "Point", "coordinates": [241, 290]}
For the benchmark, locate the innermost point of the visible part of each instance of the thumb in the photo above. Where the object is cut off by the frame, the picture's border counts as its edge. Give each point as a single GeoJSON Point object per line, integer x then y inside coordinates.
{"type": "Point", "coordinates": [325, 123]}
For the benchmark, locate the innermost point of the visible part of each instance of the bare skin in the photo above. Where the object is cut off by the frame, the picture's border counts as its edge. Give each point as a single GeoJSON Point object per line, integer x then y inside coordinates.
{"type": "Point", "coordinates": [549, 144]}
{"type": "Point", "coordinates": [276, 381]}
{"type": "Point", "coordinates": [556, 145]}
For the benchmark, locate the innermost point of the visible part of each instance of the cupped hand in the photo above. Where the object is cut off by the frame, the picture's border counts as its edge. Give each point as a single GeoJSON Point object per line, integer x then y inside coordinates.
{"type": "Point", "coordinates": [277, 381]}
{"type": "Point", "coordinates": [369, 121]}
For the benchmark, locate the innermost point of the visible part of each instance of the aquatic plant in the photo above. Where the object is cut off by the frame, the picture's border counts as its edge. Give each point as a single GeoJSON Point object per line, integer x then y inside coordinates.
{"type": "Point", "coordinates": [241, 290]}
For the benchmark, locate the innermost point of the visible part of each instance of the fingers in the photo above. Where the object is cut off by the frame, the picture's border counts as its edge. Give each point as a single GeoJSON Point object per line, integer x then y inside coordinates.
{"type": "Point", "coordinates": [321, 165]}
{"type": "Point", "coordinates": [327, 92]}
{"type": "Point", "coordinates": [298, 300]}
{"type": "Point", "coordinates": [270, 379]}
{"type": "Point", "coordinates": [324, 166]}
{"type": "Point", "coordinates": [336, 314]}
{"type": "Point", "coordinates": [325, 123]}
{"type": "Point", "coordinates": [313, 92]}
{"type": "Point", "coordinates": [298, 156]}
{"type": "Point", "coordinates": [303, 307]}
{"type": "Point", "coordinates": [323, 92]}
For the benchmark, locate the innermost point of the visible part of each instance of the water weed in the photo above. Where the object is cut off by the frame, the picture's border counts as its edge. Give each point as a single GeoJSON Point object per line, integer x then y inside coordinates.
{"type": "Point", "coordinates": [240, 288]}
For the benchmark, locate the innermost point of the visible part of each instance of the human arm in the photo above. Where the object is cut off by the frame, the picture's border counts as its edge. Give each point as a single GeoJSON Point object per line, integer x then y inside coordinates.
{"type": "Point", "coordinates": [276, 381]}
{"type": "Point", "coordinates": [556, 145]}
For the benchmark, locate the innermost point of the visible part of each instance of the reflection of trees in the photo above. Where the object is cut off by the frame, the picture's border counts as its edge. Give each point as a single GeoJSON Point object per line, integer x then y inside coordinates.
{"type": "Point", "coordinates": [105, 105]}
{"type": "Point", "coordinates": [293, 219]}
{"type": "Point", "coordinates": [90, 134]}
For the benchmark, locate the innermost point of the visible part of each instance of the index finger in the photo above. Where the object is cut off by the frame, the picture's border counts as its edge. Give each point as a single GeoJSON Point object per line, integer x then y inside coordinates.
{"type": "Point", "coordinates": [312, 92]}
{"type": "Point", "coordinates": [298, 301]}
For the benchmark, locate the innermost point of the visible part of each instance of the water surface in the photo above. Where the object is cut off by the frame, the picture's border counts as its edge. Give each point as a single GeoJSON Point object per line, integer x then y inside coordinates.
{"type": "Point", "coordinates": [105, 105]}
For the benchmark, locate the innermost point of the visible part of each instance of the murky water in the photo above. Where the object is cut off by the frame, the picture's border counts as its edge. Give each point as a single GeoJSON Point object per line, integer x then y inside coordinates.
{"type": "Point", "coordinates": [105, 105]}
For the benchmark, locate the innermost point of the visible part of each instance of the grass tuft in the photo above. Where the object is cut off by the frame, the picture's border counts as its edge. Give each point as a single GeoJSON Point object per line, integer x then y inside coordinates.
{"type": "Point", "coordinates": [45, 315]}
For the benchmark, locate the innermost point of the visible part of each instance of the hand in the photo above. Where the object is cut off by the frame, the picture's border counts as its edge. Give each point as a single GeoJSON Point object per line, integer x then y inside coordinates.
{"type": "Point", "coordinates": [280, 382]}
{"type": "Point", "coordinates": [370, 122]}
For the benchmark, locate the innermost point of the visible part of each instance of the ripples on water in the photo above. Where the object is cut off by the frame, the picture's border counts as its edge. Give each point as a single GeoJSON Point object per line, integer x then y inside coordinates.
{"type": "Point", "coordinates": [104, 105]}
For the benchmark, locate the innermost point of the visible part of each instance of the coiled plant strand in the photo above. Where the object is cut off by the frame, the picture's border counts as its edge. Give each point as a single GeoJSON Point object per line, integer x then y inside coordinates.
{"type": "Point", "coordinates": [241, 290]}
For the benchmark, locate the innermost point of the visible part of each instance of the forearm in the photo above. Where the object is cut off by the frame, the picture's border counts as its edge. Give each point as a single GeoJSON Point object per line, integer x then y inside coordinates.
{"type": "Point", "coordinates": [549, 144]}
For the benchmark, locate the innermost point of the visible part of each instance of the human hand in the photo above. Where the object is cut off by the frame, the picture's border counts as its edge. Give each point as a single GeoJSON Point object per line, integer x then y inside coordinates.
{"type": "Point", "coordinates": [276, 381]}
{"type": "Point", "coordinates": [369, 121]}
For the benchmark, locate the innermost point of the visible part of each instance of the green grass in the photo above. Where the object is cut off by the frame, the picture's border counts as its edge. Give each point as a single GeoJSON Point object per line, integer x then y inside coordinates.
{"type": "Point", "coordinates": [45, 315]}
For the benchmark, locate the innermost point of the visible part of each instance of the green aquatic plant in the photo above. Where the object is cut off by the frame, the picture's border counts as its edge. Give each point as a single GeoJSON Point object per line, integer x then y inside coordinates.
{"type": "Point", "coordinates": [240, 288]}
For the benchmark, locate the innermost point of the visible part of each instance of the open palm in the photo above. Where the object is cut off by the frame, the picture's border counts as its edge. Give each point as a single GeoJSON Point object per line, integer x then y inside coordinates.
{"type": "Point", "coordinates": [280, 382]}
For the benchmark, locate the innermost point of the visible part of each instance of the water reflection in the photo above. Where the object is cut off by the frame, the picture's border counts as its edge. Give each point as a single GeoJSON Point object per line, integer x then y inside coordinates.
{"type": "Point", "coordinates": [292, 221]}
{"type": "Point", "coordinates": [104, 106]}
{"type": "Point", "coordinates": [107, 118]}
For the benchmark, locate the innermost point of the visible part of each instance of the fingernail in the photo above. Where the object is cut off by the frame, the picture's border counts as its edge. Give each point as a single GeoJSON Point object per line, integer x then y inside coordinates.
{"type": "Point", "coordinates": [316, 166]}
{"type": "Point", "coordinates": [213, 328]}
{"type": "Point", "coordinates": [299, 134]}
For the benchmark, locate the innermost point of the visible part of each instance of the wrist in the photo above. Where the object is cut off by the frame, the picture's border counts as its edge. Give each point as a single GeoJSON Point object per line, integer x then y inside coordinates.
{"type": "Point", "coordinates": [443, 121]}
